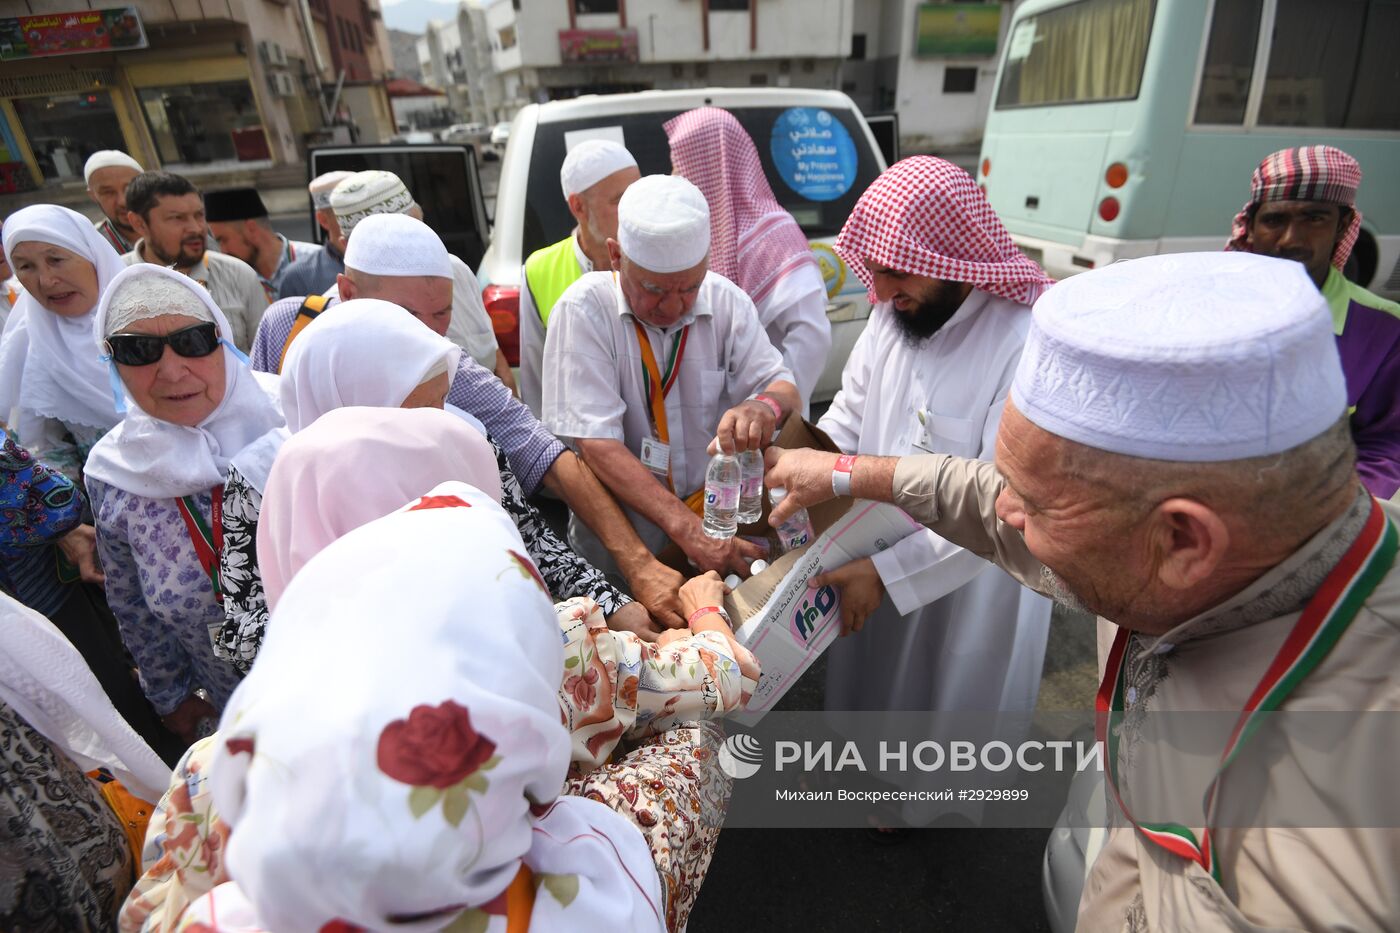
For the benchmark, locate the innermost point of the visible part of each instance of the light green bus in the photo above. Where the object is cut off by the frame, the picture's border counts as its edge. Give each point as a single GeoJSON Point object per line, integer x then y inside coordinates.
{"type": "Point", "coordinates": [1123, 128]}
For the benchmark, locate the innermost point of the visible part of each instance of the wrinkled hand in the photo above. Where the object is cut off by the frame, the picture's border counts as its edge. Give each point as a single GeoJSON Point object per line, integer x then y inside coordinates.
{"type": "Point", "coordinates": [655, 586]}
{"type": "Point", "coordinates": [722, 554]}
{"type": "Point", "coordinates": [705, 590]}
{"type": "Point", "coordinates": [861, 592]}
{"type": "Point", "coordinates": [804, 474]}
{"type": "Point", "coordinates": [634, 618]}
{"type": "Point", "coordinates": [80, 547]}
{"type": "Point", "coordinates": [184, 720]}
{"type": "Point", "coordinates": [746, 426]}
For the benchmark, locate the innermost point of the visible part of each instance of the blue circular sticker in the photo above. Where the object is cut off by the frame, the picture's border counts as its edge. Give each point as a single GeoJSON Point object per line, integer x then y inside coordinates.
{"type": "Point", "coordinates": [813, 153]}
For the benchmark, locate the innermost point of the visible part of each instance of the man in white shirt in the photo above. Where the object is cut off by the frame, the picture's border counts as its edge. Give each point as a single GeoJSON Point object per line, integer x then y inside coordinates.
{"type": "Point", "coordinates": [647, 364]}
{"type": "Point", "coordinates": [931, 373]}
{"type": "Point", "coordinates": [593, 177]}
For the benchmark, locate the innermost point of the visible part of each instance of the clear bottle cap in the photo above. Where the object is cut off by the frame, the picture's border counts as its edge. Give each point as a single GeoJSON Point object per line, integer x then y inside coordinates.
{"type": "Point", "coordinates": [776, 494]}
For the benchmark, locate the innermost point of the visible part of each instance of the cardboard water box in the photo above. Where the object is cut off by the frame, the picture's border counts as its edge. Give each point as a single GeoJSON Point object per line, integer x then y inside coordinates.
{"type": "Point", "coordinates": [776, 615]}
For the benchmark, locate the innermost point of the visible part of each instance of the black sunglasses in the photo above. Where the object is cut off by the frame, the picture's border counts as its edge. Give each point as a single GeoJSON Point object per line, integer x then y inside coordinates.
{"type": "Point", "coordinates": [145, 349]}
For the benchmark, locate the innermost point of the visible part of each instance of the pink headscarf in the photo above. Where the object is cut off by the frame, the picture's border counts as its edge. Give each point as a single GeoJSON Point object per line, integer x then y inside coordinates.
{"type": "Point", "coordinates": [925, 216]}
{"type": "Point", "coordinates": [1307, 173]}
{"type": "Point", "coordinates": [353, 465]}
{"type": "Point", "coordinates": [754, 242]}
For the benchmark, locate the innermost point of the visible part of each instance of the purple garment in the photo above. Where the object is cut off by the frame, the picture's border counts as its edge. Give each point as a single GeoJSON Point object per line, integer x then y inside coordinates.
{"type": "Point", "coordinates": [162, 598]}
{"type": "Point", "coordinates": [530, 449]}
{"type": "Point", "coordinates": [1370, 349]}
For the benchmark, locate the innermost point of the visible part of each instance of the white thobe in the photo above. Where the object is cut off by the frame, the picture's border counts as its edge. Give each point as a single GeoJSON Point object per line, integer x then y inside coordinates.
{"type": "Point", "coordinates": [470, 327]}
{"type": "Point", "coordinates": [954, 632]}
{"type": "Point", "coordinates": [793, 314]}
{"type": "Point", "coordinates": [596, 389]}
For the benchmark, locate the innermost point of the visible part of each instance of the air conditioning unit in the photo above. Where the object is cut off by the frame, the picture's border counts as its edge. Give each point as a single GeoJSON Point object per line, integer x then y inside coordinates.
{"type": "Point", "coordinates": [272, 53]}
{"type": "Point", "coordinates": [282, 85]}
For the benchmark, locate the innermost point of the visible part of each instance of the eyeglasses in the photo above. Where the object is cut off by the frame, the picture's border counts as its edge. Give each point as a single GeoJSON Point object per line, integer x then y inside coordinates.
{"type": "Point", "coordinates": [145, 349]}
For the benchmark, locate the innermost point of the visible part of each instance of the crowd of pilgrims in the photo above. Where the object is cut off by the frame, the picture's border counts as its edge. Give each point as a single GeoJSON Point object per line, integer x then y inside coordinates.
{"type": "Point", "coordinates": [287, 644]}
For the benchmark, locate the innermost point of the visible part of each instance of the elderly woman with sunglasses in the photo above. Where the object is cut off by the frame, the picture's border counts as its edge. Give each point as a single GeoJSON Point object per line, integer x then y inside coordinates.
{"type": "Point", "coordinates": [156, 481]}
{"type": "Point", "coordinates": [53, 388]}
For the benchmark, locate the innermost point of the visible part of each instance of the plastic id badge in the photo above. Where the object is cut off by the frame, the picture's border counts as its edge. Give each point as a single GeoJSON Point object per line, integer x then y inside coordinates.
{"type": "Point", "coordinates": [656, 456]}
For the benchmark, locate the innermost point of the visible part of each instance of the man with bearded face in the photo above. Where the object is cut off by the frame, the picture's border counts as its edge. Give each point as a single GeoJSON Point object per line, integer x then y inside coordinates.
{"type": "Point", "coordinates": [167, 213]}
{"type": "Point", "coordinates": [931, 373]}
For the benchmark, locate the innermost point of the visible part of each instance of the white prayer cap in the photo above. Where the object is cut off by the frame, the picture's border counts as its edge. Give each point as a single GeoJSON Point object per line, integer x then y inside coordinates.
{"type": "Point", "coordinates": [108, 158]}
{"type": "Point", "coordinates": [663, 224]}
{"type": "Point", "coordinates": [366, 193]}
{"type": "Point", "coordinates": [395, 244]}
{"type": "Point", "coordinates": [1188, 357]}
{"type": "Point", "coordinates": [322, 185]}
{"type": "Point", "coordinates": [590, 162]}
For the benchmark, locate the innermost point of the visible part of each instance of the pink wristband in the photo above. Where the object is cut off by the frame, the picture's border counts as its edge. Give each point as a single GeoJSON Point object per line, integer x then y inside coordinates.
{"type": "Point", "coordinates": [771, 403]}
{"type": "Point", "coordinates": [841, 474]}
{"type": "Point", "coordinates": [704, 611]}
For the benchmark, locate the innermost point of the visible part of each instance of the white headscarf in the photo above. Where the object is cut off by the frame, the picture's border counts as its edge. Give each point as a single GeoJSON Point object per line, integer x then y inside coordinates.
{"type": "Point", "coordinates": [150, 457]}
{"type": "Point", "coordinates": [48, 364]}
{"type": "Point", "coordinates": [365, 352]}
{"type": "Point", "coordinates": [415, 780]}
{"type": "Point", "coordinates": [46, 680]}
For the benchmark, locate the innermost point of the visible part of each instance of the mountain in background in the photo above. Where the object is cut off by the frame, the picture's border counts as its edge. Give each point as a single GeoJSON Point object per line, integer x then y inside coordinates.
{"type": "Point", "coordinates": [413, 15]}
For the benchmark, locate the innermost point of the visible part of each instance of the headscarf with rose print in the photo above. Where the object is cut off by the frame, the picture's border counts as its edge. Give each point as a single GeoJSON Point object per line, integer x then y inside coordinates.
{"type": "Point", "coordinates": [353, 465]}
{"type": "Point", "coordinates": [416, 785]}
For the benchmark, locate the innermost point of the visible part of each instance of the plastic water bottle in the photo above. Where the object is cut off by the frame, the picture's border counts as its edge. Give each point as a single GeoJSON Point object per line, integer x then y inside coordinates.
{"type": "Point", "coordinates": [722, 496]}
{"type": "Point", "coordinates": [750, 486]}
{"type": "Point", "coordinates": [797, 530]}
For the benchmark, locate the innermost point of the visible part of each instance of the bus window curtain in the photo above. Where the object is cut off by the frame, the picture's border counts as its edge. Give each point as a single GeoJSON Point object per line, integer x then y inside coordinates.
{"type": "Point", "coordinates": [1087, 51]}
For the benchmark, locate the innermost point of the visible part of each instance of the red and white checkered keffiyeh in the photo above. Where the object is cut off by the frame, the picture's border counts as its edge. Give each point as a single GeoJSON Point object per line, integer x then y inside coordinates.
{"type": "Point", "coordinates": [1307, 173]}
{"type": "Point", "coordinates": [925, 216]}
{"type": "Point", "coordinates": [754, 242]}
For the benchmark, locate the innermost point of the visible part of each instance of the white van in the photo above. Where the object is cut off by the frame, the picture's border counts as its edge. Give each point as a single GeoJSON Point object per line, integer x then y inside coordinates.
{"type": "Point", "coordinates": [531, 213]}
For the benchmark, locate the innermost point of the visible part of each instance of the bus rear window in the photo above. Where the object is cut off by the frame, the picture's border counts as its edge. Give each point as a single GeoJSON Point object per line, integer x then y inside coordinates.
{"type": "Point", "coordinates": [1092, 50]}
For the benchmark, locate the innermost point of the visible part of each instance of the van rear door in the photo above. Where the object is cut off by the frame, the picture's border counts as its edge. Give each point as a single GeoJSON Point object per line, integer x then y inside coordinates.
{"type": "Point", "coordinates": [443, 179]}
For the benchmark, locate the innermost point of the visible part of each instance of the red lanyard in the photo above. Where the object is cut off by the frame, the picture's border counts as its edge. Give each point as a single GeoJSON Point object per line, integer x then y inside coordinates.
{"type": "Point", "coordinates": [208, 543]}
{"type": "Point", "coordinates": [1324, 619]}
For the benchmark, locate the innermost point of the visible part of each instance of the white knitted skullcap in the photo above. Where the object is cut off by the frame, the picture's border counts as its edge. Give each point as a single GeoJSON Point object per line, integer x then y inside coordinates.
{"type": "Point", "coordinates": [663, 224]}
{"type": "Point", "coordinates": [590, 162]}
{"type": "Point", "coordinates": [108, 158]}
{"type": "Point", "coordinates": [138, 297]}
{"type": "Point", "coordinates": [322, 185]}
{"type": "Point", "coordinates": [1189, 357]}
{"type": "Point", "coordinates": [395, 244]}
{"type": "Point", "coordinates": [366, 193]}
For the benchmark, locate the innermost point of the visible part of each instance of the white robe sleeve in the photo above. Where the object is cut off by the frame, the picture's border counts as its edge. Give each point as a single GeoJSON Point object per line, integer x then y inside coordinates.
{"type": "Point", "coordinates": [925, 567]}
{"type": "Point", "coordinates": [470, 327]}
{"type": "Point", "coordinates": [794, 316]}
{"type": "Point", "coordinates": [531, 350]}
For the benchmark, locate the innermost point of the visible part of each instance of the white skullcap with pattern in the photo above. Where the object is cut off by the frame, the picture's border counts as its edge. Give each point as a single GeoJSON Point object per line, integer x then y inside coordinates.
{"type": "Point", "coordinates": [1187, 357]}
{"type": "Point", "coordinates": [138, 297]}
{"type": "Point", "coordinates": [590, 162]}
{"type": "Point", "coordinates": [364, 194]}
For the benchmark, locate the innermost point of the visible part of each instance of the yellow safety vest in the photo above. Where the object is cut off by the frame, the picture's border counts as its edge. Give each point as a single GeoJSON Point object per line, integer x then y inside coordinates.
{"type": "Point", "coordinates": [549, 272]}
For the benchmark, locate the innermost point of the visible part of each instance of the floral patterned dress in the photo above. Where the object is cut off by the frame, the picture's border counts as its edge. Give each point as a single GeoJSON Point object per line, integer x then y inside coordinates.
{"type": "Point", "coordinates": [245, 606]}
{"type": "Point", "coordinates": [663, 776]}
{"type": "Point", "coordinates": [162, 598]}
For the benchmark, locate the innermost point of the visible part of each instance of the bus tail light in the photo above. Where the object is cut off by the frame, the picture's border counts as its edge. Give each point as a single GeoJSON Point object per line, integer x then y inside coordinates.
{"type": "Point", "coordinates": [986, 167]}
{"type": "Point", "coordinates": [1117, 175]}
{"type": "Point", "coordinates": [503, 305]}
{"type": "Point", "coordinates": [1108, 209]}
